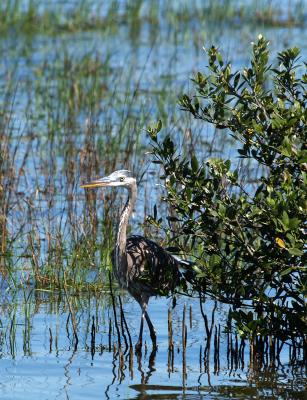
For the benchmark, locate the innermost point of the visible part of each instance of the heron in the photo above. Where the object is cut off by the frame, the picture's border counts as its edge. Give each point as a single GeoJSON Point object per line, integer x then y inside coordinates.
{"type": "Point", "coordinates": [140, 265]}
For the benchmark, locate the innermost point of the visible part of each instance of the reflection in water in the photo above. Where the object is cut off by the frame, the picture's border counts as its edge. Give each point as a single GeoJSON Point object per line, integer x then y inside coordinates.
{"type": "Point", "coordinates": [151, 363]}
{"type": "Point", "coordinates": [121, 363]}
{"type": "Point", "coordinates": [196, 359]}
{"type": "Point", "coordinates": [67, 375]}
{"type": "Point", "coordinates": [262, 384]}
{"type": "Point", "coordinates": [93, 338]}
{"type": "Point", "coordinates": [114, 375]}
{"type": "Point", "coordinates": [88, 95]}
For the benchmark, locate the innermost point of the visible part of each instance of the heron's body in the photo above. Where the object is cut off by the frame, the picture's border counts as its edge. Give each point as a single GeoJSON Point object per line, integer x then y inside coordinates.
{"type": "Point", "coordinates": [151, 269]}
{"type": "Point", "coordinates": [140, 265]}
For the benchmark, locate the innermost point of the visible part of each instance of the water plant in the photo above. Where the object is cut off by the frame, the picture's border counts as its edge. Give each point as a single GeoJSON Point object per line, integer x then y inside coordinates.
{"type": "Point", "coordinates": [32, 17]}
{"type": "Point", "coordinates": [79, 81]}
{"type": "Point", "coordinates": [248, 240]}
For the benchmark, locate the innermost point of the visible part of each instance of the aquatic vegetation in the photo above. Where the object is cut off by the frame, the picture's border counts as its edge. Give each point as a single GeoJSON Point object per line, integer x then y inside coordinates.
{"type": "Point", "coordinates": [36, 329]}
{"type": "Point", "coordinates": [250, 239]}
{"type": "Point", "coordinates": [33, 17]}
{"type": "Point", "coordinates": [79, 83]}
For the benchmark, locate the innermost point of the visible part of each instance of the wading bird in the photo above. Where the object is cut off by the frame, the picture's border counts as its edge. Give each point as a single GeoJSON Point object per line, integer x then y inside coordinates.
{"type": "Point", "coordinates": [140, 265]}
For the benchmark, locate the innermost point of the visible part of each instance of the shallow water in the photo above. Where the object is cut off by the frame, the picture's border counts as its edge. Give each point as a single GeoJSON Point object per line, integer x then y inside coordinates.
{"type": "Point", "coordinates": [144, 68]}
{"type": "Point", "coordinates": [40, 361]}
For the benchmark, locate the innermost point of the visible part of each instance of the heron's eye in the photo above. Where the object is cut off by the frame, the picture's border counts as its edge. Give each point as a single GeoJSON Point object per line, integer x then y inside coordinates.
{"type": "Point", "coordinates": [122, 178]}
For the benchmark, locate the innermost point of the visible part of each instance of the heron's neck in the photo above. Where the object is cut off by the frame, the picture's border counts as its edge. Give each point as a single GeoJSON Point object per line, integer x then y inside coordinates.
{"type": "Point", "coordinates": [121, 240]}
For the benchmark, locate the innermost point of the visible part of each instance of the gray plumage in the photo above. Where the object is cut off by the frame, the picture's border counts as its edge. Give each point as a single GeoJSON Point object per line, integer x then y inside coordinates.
{"type": "Point", "coordinates": [140, 265]}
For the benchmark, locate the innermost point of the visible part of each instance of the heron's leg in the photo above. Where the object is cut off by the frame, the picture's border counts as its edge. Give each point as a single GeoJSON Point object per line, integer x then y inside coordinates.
{"type": "Point", "coordinates": [138, 345]}
{"type": "Point", "coordinates": [152, 331]}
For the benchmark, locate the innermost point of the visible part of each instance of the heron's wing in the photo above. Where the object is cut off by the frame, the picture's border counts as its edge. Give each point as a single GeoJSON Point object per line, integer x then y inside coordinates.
{"type": "Point", "coordinates": [150, 263]}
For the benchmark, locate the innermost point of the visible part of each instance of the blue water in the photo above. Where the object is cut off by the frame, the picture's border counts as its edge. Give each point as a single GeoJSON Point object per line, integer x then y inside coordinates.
{"type": "Point", "coordinates": [45, 368]}
{"type": "Point", "coordinates": [38, 359]}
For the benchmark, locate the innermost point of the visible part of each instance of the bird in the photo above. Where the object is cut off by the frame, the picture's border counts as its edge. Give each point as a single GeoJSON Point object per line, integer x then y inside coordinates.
{"type": "Point", "coordinates": [140, 265]}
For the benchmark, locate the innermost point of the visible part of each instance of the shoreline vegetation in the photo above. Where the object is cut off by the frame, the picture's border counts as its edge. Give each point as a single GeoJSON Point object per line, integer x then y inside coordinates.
{"type": "Point", "coordinates": [31, 17]}
{"type": "Point", "coordinates": [248, 245]}
{"type": "Point", "coordinates": [66, 116]}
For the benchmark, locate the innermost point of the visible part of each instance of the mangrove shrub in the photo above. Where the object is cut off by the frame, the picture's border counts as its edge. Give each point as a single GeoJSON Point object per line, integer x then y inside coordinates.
{"type": "Point", "coordinates": [247, 240]}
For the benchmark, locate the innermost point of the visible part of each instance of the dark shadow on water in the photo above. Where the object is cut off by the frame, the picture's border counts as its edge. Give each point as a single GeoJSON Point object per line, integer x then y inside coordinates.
{"type": "Point", "coordinates": [249, 391]}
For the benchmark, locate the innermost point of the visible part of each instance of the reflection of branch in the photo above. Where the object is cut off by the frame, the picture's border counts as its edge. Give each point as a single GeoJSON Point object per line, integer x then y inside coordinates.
{"type": "Point", "coordinates": [114, 311]}
{"type": "Point", "coordinates": [184, 346]}
{"type": "Point", "coordinates": [123, 320]}
{"type": "Point", "coordinates": [50, 340]}
{"type": "Point", "coordinates": [121, 366]}
{"type": "Point", "coordinates": [67, 374]}
{"type": "Point", "coordinates": [170, 357]}
{"type": "Point", "coordinates": [114, 375]}
{"type": "Point", "coordinates": [72, 314]}
{"type": "Point", "coordinates": [129, 357]}
{"type": "Point", "coordinates": [209, 334]}
{"type": "Point", "coordinates": [93, 337]}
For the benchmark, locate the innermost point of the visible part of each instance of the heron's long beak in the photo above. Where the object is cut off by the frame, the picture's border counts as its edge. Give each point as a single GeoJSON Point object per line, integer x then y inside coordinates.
{"type": "Point", "coordinates": [97, 183]}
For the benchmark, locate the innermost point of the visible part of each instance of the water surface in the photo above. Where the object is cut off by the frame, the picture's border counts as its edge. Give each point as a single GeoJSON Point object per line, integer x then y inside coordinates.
{"type": "Point", "coordinates": [75, 105]}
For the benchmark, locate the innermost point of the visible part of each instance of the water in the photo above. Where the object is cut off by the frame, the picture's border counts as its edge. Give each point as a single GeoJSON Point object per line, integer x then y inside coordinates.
{"type": "Point", "coordinates": [74, 106]}
{"type": "Point", "coordinates": [40, 361]}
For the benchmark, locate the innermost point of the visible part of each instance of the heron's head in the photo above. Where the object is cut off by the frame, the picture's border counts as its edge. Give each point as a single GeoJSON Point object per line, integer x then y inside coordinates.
{"type": "Point", "coordinates": [122, 177]}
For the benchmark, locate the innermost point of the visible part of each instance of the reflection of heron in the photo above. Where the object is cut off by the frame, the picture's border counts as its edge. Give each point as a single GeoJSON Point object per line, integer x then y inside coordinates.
{"type": "Point", "coordinates": [141, 266]}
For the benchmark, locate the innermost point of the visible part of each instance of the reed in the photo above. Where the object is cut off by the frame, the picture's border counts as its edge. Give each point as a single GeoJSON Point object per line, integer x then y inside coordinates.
{"type": "Point", "coordinates": [69, 113]}
{"type": "Point", "coordinates": [31, 17]}
{"type": "Point", "coordinates": [73, 113]}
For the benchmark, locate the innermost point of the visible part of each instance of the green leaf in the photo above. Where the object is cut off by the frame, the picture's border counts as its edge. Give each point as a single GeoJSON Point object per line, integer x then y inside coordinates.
{"type": "Point", "coordinates": [155, 212]}
{"type": "Point", "coordinates": [294, 223]}
{"type": "Point", "coordinates": [246, 234]}
{"type": "Point", "coordinates": [243, 152]}
{"type": "Point", "coordinates": [220, 59]}
{"type": "Point", "coordinates": [194, 163]}
{"type": "Point", "coordinates": [302, 156]}
{"type": "Point", "coordinates": [285, 219]}
{"type": "Point", "coordinates": [159, 125]}
{"type": "Point", "coordinates": [214, 259]}
{"type": "Point", "coordinates": [295, 252]}
{"type": "Point", "coordinates": [286, 271]}
{"type": "Point", "coordinates": [241, 291]}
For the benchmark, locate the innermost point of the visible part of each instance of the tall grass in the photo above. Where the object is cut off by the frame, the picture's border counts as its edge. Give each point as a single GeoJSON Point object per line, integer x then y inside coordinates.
{"type": "Point", "coordinates": [33, 16]}
{"type": "Point", "coordinates": [82, 118]}
{"type": "Point", "coordinates": [79, 84]}
{"type": "Point", "coordinates": [74, 105]}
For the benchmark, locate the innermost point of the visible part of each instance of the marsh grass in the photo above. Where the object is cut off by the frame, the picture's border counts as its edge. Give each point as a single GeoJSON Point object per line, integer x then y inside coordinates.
{"type": "Point", "coordinates": [96, 324]}
{"type": "Point", "coordinates": [81, 119]}
{"type": "Point", "coordinates": [70, 113]}
{"type": "Point", "coordinates": [31, 17]}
